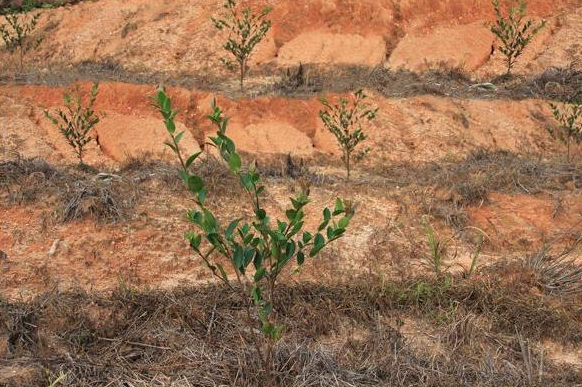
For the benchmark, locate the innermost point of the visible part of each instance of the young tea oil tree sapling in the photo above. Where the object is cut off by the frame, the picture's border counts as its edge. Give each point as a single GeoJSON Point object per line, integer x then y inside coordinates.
{"type": "Point", "coordinates": [513, 31]}
{"type": "Point", "coordinates": [344, 120]}
{"type": "Point", "coordinates": [77, 120]}
{"type": "Point", "coordinates": [246, 28]}
{"type": "Point", "coordinates": [569, 117]}
{"type": "Point", "coordinates": [16, 31]}
{"type": "Point", "coordinates": [249, 254]}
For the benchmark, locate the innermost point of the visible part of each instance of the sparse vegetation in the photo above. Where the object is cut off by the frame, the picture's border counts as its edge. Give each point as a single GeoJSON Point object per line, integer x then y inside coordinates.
{"type": "Point", "coordinates": [345, 121]}
{"type": "Point", "coordinates": [514, 32]}
{"type": "Point", "coordinates": [77, 120]}
{"type": "Point", "coordinates": [198, 271]}
{"type": "Point", "coordinates": [256, 252]}
{"type": "Point", "coordinates": [246, 28]}
{"type": "Point", "coordinates": [438, 259]}
{"type": "Point", "coordinates": [569, 118]}
{"type": "Point", "coordinates": [435, 259]}
{"type": "Point", "coordinates": [557, 274]}
{"type": "Point", "coordinates": [106, 200]}
{"type": "Point", "coordinates": [191, 336]}
{"type": "Point", "coordinates": [17, 30]}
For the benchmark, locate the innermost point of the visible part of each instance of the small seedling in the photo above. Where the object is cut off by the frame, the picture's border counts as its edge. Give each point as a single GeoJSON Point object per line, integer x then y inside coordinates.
{"type": "Point", "coordinates": [435, 260]}
{"type": "Point", "coordinates": [16, 32]}
{"type": "Point", "coordinates": [249, 255]}
{"type": "Point", "coordinates": [77, 120]}
{"type": "Point", "coordinates": [569, 117]}
{"type": "Point", "coordinates": [245, 29]}
{"type": "Point", "coordinates": [344, 120]}
{"type": "Point", "coordinates": [514, 32]}
{"type": "Point", "coordinates": [438, 258]}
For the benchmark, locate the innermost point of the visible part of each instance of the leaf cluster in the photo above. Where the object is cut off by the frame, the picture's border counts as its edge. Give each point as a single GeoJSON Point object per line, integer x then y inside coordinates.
{"type": "Point", "coordinates": [569, 117]}
{"type": "Point", "coordinates": [17, 30]}
{"type": "Point", "coordinates": [255, 250]}
{"type": "Point", "coordinates": [246, 29]}
{"type": "Point", "coordinates": [514, 32]}
{"type": "Point", "coordinates": [76, 120]}
{"type": "Point", "coordinates": [345, 119]}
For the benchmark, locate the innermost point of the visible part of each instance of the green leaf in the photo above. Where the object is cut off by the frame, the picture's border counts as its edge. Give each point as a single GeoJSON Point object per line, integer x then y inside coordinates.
{"type": "Point", "coordinates": [195, 184]}
{"type": "Point", "coordinates": [256, 295]}
{"type": "Point", "coordinates": [330, 232]}
{"type": "Point", "coordinates": [339, 207]}
{"type": "Point", "coordinates": [247, 182]}
{"type": "Point", "coordinates": [192, 158]}
{"type": "Point", "coordinates": [234, 162]}
{"type": "Point", "coordinates": [326, 214]}
{"type": "Point", "coordinates": [258, 261]}
{"type": "Point", "coordinates": [171, 126]}
{"type": "Point", "coordinates": [260, 274]}
{"type": "Point", "coordinates": [202, 195]}
{"type": "Point", "coordinates": [281, 225]}
{"type": "Point", "coordinates": [323, 225]}
{"type": "Point", "coordinates": [265, 311]}
{"type": "Point", "coordinates": [222, 272]}
{"type": "Point", "coordinates": [277, 333]}
{"type": "Point", "coordinates": [343, 222]}
{"type": "Point", "coordinates": [195, 217]}
{"type": "Point", "coordinates": [238, 258]}
{"type": "Point", "coordinates": [318, 244]}
{"type": "Point", "coordinates": [261, 214]}
{"type": "Point", "coordinates": [194, 239]}
{"type": "Point", "coordinates": [210, 221]}
{"type": "Point", "coordinates": [300, 258]}
{"type": "Point", "coordinates": [231, 227]}
{"type": "Point", "coordinates": [179, 137]}
{"type": "Point", "coordinates": [290, 214]}
{"type": "Point", "coordinates": [171, 146]}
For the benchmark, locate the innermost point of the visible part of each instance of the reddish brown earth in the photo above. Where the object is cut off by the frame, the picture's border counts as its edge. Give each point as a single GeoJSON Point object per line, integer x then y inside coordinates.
{"type": "Point", "coordinates": [413, 132]}
{"type": "Point", "coordinates": [177, 37]}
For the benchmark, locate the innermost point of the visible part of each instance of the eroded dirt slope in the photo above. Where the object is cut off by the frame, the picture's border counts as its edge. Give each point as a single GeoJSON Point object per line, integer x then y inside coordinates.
{"type": "Point", "coordinates": [424, 130]}
{"type": "Point", "coordinates": [178, 36]}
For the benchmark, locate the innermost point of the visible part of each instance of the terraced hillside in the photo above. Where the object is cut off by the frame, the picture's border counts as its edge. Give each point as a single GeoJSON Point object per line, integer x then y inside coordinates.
{"type": "Point", "coordinates": [98, 286]}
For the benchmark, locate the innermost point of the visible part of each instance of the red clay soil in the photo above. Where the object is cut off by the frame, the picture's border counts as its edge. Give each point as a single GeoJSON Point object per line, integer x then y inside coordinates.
{"type": "Point", "coordinates": [179, 36]}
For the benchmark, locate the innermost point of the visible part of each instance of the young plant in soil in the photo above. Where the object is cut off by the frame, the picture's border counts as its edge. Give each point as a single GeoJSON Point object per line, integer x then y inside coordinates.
{"type": "Point", "coordinates": [249, 255]}
{"type": "Point", "coordinates": [16, 32]}
{"type": "Point", "coordinates": [569, 117]}
{"type": "Point", "coordinates": [245, 29]}
{"type": "Point", "coordinates": [344, 120]}
{"type": "Point", "coordinates": [77, 120]}
{"type": "Point", "coordinates": [513, 31]}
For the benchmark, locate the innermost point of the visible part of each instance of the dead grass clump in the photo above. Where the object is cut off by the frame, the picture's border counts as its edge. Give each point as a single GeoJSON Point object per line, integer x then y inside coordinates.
{"type": "Point", "coordinates": [18, 326]}
{"type": "Point", "coordinates": [109, 200]}
{"type": "Point", "coordinates": [145, 168]}
{"type": "Point", "coordinates": [559, 83]}
{"type": "Point", "coordinates": [557, 274]}
{"type": "Point", "coordinates": [281, 166]}
{"type": "Point", "coordinates": [25, 179]}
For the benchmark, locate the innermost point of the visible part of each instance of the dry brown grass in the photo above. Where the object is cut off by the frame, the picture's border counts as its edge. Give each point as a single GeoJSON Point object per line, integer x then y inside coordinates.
{"type": "Point", "coordinates": [344, 334]}
{"type": "Point", "coordinates": [556, 83]}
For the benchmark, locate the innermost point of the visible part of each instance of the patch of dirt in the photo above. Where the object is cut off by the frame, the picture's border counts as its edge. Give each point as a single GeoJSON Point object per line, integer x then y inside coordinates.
{"type": "Point", "coordinates": [333, 49]}
{"type": "Point", "coordinates": [121, 137]}
{"type": "Point", "coordinates": [465, 46]}
{"type": "Point", "coordinates": [272, 137]}
{"type": "Point", "coordinates": [525, 222]}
